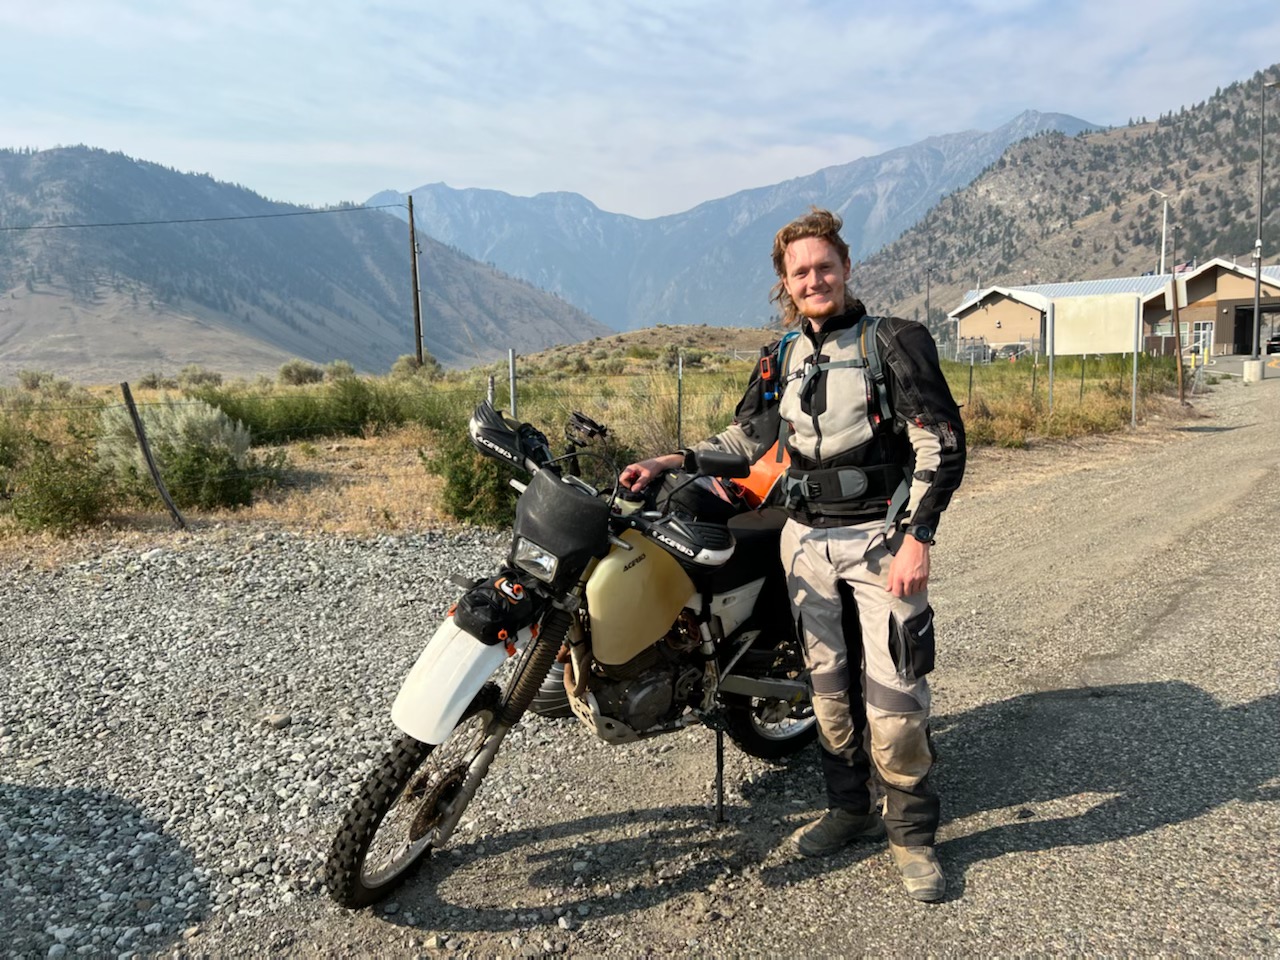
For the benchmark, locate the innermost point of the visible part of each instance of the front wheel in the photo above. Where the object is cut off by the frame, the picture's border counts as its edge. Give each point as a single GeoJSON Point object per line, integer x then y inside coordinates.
{"type": "Point", "coordinates": [767, 728]}
{"type": "Point", "coordinates": [395, 820]}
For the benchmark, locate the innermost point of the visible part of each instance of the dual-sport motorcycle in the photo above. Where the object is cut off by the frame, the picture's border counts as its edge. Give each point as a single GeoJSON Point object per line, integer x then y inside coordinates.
{"type": "Point", "coordinates": [656, 617]}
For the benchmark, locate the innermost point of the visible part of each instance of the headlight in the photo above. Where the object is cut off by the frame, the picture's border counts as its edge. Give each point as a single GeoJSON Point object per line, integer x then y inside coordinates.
{"type": "Point", "coordinates": [530, 557]}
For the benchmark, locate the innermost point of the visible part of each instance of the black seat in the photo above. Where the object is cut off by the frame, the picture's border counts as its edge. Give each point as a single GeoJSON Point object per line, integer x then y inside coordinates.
{"type": "Point", "coordinates": [756, 554]}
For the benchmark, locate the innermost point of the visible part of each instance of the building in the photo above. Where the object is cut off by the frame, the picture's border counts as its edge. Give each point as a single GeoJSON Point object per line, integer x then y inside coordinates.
{"type": "Point", "coordinates": [1215, 310]}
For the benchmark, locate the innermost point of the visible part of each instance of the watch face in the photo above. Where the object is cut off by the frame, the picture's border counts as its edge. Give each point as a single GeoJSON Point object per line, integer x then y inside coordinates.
{"type": "Point", "coordinates": [921, 532]}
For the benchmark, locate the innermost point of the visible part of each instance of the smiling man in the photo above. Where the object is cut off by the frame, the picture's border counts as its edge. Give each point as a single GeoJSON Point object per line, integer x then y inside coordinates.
{"type": "Point", "coordinates": [876, 449]}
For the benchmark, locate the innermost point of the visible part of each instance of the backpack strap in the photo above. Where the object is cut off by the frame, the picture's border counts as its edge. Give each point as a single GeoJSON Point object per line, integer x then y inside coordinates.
{"type": "Point", "coordinates": [875, 371]}
{"type": "Point", "coordinates": [784, 353]}
{"type": "Point", "coordinates": [875, 366]}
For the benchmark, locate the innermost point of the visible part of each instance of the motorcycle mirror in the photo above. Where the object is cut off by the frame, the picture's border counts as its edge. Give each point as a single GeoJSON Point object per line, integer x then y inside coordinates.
{"type": "Point", "coordinates": [715, 463]}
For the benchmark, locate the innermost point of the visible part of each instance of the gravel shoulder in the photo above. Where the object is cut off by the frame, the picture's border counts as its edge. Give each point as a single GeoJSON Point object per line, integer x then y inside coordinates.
{"type": "Point", "coordinates": [183, 721]}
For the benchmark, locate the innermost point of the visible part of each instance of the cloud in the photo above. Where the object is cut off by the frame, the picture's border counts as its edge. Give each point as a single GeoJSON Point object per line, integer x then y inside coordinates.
{"type": "Point", "coordinates": [644, 109]}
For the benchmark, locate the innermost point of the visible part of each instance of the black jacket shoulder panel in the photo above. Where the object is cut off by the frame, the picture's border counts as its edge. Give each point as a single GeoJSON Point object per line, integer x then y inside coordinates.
{"type": "Point", "coordinates": [920, 395]}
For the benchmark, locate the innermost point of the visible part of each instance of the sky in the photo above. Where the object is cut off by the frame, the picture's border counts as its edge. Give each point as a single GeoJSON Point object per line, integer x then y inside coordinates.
{"type": "Point", "coordinates": [645, 108]}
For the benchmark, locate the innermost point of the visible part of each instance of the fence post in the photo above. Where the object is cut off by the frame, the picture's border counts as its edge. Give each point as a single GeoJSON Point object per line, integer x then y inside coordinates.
{"type": "Point", "coordinates": [178, 522]}
{"type": "Point", "coordinates": [490, 394]}
{"type": "Point", "coordinates": [1137, 345]}
{"type": "Point", "coordinates": [1082, 360]}
{"type": "Point", "coordinates": [511, 373]}
{"type": "Point", "coordinates": [1050, 351]}
{"type": "Point", "coordinates": [970, 399]}
{"type": "Point", "coordinates": [680, 399]}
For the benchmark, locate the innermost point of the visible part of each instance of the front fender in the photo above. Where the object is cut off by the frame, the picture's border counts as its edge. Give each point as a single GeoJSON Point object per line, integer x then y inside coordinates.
{"type": "Point", "coordinates": [449, 672]}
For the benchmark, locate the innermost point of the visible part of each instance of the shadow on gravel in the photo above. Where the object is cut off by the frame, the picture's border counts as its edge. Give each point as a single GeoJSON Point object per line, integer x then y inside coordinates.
{"type": "Point", "coordinates": [1211, 429]}
{"type": "Point", "coordinates": [684, 853]}
{"type": "Point", "coordinates": [1159, 753]}
{"type": "Point", "coordinates": [85, 868]}
{"type": "Point", "coordinates": [1129, 758]}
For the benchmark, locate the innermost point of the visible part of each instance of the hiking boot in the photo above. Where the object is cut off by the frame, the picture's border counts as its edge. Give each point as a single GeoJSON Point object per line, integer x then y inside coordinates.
{"type": "Point", "coordinates": [836, 829]}
{"type": "Point", "coordinates": [921, 872]}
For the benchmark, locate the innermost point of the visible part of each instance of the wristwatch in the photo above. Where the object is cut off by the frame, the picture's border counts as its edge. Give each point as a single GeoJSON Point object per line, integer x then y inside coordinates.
{"type": "Point", "coordinates": [922, 532]}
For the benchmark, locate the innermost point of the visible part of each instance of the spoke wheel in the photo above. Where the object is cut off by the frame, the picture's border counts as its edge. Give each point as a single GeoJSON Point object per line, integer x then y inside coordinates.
{"type": "Point", "coordinates": [768, 728]}
{"type": "Point", "coordinates": [394, 821]}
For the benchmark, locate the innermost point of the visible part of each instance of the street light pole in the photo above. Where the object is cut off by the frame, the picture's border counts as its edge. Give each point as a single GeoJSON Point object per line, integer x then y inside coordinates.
{"type": "Point", "coordinates": [1257, 245]}
{"type": "Point", "coordinates": [1164, 225]}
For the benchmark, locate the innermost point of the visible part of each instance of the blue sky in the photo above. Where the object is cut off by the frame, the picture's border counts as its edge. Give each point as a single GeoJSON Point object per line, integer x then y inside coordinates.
{"type": "Point", "coordinates": [644, 108]}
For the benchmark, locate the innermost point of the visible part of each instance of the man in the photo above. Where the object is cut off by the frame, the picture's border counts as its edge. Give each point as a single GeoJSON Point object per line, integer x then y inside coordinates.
{"type": "Point", "coordinates": [857, 574]}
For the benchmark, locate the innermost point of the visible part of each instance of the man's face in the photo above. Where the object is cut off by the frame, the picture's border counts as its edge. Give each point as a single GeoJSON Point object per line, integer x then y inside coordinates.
{"type": "Point", "coordinates": [815, 278]}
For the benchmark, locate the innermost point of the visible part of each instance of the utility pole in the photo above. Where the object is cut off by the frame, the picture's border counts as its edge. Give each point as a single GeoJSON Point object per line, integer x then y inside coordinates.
{"type": "Point", "coordinates": [1177, 326]}
{"type": "Point", "coordinates": [1257, 245]}
{"type": "Point", "coordinates": [928, 274]}
{"type": "Point", "coordinates": [417, 298]}
{"type": "Point", "coordinates": [1164, 225]}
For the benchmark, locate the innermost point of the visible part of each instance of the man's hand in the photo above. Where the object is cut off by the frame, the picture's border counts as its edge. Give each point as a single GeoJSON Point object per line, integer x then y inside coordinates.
{"type": "Point", "coordinates": [637, 476]}
{"type": "Point", "coordinates": [909, 568]}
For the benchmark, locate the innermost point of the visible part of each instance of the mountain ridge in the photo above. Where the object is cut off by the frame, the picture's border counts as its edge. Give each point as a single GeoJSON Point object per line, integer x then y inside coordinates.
{"type": "Point", "coordinates": [632, 273]}
{"type": "Point", "coordinates": [274, 279]}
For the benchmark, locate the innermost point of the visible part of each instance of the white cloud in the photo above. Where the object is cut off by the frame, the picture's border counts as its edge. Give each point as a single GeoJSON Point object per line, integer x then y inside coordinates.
{"type": "Point", "coordinates": [644, 109]}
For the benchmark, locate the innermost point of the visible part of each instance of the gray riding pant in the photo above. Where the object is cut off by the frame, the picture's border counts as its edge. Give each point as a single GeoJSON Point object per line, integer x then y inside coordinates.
{"type": "Point", "coordinates": [867, 652]}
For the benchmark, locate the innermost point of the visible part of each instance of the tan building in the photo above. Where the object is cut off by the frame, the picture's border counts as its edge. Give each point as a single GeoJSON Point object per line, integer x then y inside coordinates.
{"type": "Point", "coordinates": [1215, 310]}
{"type": "Point", "coordinates": [1003, 316]}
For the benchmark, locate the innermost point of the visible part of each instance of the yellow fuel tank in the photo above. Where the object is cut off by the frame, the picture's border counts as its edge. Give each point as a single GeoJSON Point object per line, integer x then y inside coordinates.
{"type": "Point", "coordinates": [633, 597]}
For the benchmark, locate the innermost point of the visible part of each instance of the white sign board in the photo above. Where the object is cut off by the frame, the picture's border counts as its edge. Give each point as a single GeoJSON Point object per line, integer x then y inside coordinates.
{"type": "Point", "coordinates": [1101, 324]}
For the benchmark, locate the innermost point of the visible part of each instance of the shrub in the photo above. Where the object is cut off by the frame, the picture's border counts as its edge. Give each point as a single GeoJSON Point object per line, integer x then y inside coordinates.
{"type": "Point", "coordinates": [296, 372]}
{"type": "Point", "coordinates": [475, 487]}
{"type": "Point", "coordinates": [363, 406]}
{"type": "Point", "coordinates": [407, 366]}
{"type": "Point", "coordinates": [34, 379]}
{"type": "Point", "coordinates": [157, 381]}
{"type": "Point", "coordinates": [339, 370]}
{"type": "Point", "coordinates": [194, 377]}
{"type": "Point", "coordinates": [12, 443]}
{"type": "Point", "coordinates": [57, 487]}
{"type": "Point", "coordinates": [203, 456]}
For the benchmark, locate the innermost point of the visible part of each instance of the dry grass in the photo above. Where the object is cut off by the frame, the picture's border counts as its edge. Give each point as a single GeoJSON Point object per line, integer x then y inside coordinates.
{"type": "Point", "coordinates": [354, 485]}
{"type": "Point", "coordinates": [365, 486]}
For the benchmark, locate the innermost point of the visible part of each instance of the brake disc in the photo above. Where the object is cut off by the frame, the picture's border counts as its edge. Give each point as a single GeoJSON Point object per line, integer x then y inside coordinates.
{"type": "Point", "coordinates": [429, 813]}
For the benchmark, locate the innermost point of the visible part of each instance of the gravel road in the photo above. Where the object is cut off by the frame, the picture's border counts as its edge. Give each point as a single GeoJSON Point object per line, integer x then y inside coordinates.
{"type": "Point", "coordinates": [183, 723]}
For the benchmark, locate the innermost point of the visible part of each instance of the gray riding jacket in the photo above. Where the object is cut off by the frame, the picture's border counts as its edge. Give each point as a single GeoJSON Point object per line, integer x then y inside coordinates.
{"type": "Point", "coordinates": [829, 417]}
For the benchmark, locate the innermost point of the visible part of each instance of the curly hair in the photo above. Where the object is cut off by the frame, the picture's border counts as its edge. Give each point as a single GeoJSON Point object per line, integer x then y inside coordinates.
{"type": "Point", "coordinates": [818, 223]}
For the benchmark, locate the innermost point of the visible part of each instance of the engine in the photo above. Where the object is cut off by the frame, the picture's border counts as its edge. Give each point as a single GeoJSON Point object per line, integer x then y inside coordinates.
{"type": "Point", "coordinates": [646, 695]}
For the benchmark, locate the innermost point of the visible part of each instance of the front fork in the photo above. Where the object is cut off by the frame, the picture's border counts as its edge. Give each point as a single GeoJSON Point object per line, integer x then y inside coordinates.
{"type": "Point", "coordinates": [530, 672]}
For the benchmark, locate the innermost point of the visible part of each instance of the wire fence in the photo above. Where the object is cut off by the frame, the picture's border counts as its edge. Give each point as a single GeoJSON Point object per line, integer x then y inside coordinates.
{"type": "Point", "coordinates": [647, 411]}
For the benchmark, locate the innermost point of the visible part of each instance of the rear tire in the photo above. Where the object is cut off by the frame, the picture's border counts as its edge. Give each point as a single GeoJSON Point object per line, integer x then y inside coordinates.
{"type": "Point", "coordinates": [391, 826]}
{"type": "Point", "coordinates": [769, 729]}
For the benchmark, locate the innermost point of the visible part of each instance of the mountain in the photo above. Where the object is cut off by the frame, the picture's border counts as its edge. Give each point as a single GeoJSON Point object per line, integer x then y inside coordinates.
{"type": "Point", "coordinates": [253, 284]}
{"type": "Point", "coordinates": [1058, 208]}
{"type": "Point", "coordinates": [709, 264]}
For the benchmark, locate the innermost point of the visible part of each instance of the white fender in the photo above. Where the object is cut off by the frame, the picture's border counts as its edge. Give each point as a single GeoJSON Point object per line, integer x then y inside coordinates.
{"type": "Point", "coordinates": [450, 671]}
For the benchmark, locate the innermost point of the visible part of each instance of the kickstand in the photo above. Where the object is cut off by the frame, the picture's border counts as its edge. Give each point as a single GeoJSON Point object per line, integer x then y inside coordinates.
{"type": "Point", "coordinates": [719, 776]}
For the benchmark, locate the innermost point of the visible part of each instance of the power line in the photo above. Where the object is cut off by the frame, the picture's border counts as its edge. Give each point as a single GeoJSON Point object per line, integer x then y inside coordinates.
{"type": "Point", "coordinates": [247, 216]}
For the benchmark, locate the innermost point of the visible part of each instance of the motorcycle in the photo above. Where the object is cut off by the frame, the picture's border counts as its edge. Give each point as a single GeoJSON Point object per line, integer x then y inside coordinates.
{"type": "Point", "coordinates": [655, 619]}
